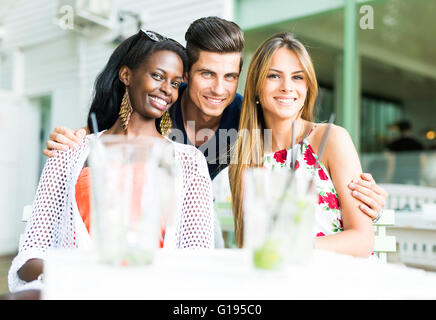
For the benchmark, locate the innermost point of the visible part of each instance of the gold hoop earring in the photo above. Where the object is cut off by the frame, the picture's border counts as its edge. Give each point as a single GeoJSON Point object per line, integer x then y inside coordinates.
{"type": "Point", "coordinates": [165, 124]}
{"type": "Point", "coordinates": [125, 110]}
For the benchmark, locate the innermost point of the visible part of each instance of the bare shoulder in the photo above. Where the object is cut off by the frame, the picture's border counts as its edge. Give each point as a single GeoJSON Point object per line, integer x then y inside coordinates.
{"type": "Point", "coordinates": [337, 136]}
{"type": "Point", "coordinates": [339, 147]}
{"type": "Point", "coordinates": [335, 130]}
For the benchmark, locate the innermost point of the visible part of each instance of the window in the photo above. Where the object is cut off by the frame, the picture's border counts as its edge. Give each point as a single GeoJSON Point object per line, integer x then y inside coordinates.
{"type": "Point", "coordinates": [376, 116]}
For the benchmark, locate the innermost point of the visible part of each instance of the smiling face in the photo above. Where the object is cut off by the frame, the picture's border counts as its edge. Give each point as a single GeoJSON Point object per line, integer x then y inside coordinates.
{"type": "Point", "coordinates": [213, 80]}
{"type": "Point", "coordinates": [153, 86]}
{"type": "Point", "coordinates": [284, 91]}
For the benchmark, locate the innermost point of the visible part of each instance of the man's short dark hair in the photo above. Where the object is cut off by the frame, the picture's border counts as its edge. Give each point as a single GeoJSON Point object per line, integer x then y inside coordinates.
{"type": "Point", "coordinates": [213, 34]}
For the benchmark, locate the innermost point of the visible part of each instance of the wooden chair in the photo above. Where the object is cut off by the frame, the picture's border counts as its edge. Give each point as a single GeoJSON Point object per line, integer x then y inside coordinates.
{"type": "Point", "coordinates": [27, 211]}
{"type": "Point", "coordinates": [223, 206]}
{"type": "Point", "coordinates": [384, 243]}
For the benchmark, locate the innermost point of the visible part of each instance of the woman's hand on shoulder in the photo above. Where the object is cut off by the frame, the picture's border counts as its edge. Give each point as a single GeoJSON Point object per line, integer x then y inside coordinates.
{"type": "Point", "coordinates": [62, 138]}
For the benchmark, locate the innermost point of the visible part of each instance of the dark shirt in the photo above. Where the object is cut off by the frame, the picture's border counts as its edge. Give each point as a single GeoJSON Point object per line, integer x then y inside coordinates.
{"type": "Point", "coordinates": [407, 160]}
{"type": "Point", "coordinates": [216, 149]}
{"type": "Point", "coordinates": [405, 144]}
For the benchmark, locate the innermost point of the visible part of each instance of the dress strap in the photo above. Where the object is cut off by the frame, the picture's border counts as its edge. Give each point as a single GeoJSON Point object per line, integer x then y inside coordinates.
{"type": "Point", "coordinates": [310, 131]}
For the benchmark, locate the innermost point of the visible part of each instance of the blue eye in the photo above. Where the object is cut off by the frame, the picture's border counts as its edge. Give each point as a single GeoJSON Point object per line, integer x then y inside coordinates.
{"type": "Point", "coordinates": [273, 76]}
{"type": "Point", "coordinates": [298, 77]}
{"type": "Point", "coordinates": [231, 77]}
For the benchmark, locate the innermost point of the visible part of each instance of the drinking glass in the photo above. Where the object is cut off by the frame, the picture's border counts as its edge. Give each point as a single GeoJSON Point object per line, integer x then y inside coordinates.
{"type": "Point", "coordinates": [279, 214]}
{"type": "Point", "coordinates": [132, 183]}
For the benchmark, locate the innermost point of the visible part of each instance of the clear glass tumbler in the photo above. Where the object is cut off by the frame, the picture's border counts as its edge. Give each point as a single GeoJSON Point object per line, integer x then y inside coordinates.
{"type": "Point", "coordinates": [132, 182]}
{"type": "Point", "coordinates": [279, 216]}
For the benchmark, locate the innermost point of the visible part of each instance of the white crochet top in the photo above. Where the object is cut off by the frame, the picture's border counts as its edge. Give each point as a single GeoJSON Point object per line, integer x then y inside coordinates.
{"type": "Point", "coordinates": [55, 221]}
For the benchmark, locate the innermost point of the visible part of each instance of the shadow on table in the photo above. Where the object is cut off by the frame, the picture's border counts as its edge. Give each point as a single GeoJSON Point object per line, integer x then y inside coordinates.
{"type": "Point", "coordinates": [22, 295]}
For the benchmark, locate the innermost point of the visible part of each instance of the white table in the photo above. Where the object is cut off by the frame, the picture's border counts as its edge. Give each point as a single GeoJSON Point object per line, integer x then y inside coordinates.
{"type": "Point", "coordinates": [229, 274]}
{"type": "Point", "coordinates": [415, 232]}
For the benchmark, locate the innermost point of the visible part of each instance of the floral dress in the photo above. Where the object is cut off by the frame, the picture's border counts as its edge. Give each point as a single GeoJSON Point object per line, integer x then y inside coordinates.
{"type": "Point", "coordinates": [328, 219]}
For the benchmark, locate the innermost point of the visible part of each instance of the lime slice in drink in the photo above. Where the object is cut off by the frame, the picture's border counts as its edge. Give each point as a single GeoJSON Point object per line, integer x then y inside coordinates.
{"type": "Point", "coordinates": [137, 258]}
{"type": "Point", "coordinates": [267, 256]}
{"type": "Point", "coordinates": [301, 206]}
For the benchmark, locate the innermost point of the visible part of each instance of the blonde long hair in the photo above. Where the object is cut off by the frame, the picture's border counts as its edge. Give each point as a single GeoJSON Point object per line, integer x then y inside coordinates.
{"type": "Point", "coordinates": [248, 150]}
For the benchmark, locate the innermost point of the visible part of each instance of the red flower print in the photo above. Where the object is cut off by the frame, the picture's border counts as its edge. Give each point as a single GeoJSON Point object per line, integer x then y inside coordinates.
{"type": "Point", "coordinates": [308, 156]}
{"type": "Point", "coordinates": [337, 225]}
{"type": "Point", "coordinates": [310, 148]}
{"type": "Point", "coordinates": [320, 199]}
{"type": "Point", "coordinates": [297, 164]}
{"type": "Point", "coordinates": [320, 234]}
{"type": "Point", "coordinates": [332, 201]}
{"type": "Point", "coordinates": [322, 174]}
{"type": "Point", "coordinates": [281, 155]}
{"type": "Point", "coordinates": [340, 223]}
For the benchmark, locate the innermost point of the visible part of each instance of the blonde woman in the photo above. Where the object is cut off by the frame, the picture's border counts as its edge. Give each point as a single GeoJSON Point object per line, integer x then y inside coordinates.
{"type": "Point", "coordinates": [282, 87]}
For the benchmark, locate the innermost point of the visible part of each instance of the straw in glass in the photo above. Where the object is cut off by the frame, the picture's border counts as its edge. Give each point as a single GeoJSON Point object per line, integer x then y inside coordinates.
{"type": "Point", "coordinates": [94, 122]}
{"type": "Point", "coordinates": [292, 147]}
